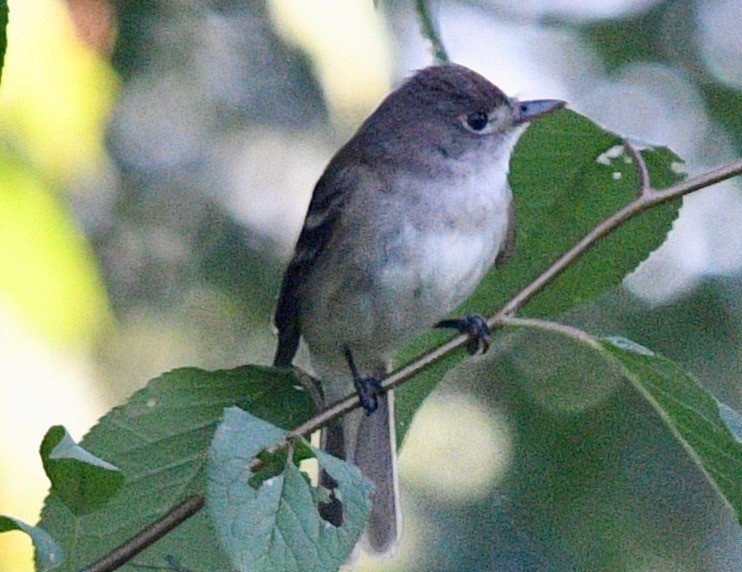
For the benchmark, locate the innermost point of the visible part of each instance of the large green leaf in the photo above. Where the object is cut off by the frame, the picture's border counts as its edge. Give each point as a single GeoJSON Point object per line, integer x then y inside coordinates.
{"type": "Point", "coordinates": [695, 417]}
{"type": "Point", "coordinates": [275, 524]}
{"type": "Point", "coordinates": [706, 428]}
{"type": "Point", "coordinates": [567, 175]}
{"type": "Point", "coordinates": [160, 439]}
{"type": "Point", "coordinates": [80, 479]}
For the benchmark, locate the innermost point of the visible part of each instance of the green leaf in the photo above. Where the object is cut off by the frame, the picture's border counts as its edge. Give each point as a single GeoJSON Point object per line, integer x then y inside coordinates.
{"type": "Point", "coordinates": [567, 175]}
{"type": "Point", "coordinates": [160, 439]}
{"type": "Point", "coordinates": [49, 555]}
{"type": "Point", "coordinates": [707, 429]}
{"type": "Point", "coordinates": [560, 375]}
{"type": "Point", "coordinates": [3, 34]}
{"type": "Point", "coordinates": [691, 413]}
{"type": "Point", "coordinates": [277, 526]}
{"type": "Point", "coordinates": [83, 481]}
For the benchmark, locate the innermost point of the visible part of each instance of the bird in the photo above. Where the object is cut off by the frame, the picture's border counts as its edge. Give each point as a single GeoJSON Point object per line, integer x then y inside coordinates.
{"type": "Point", "coordinates": [406, 220]}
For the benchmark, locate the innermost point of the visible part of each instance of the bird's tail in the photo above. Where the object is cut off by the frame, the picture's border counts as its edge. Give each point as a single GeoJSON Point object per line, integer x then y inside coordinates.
{"type": "Point", "coordinates": [375, 454]}
{"type": "Point", "coordinates": [369, 441]}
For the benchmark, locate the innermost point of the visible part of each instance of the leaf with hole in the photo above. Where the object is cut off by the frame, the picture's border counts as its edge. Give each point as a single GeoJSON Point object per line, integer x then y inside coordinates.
{"type": "Point", "coordinates": [276, 525]}
{"type": "Point", "coordinates": [160, 439]}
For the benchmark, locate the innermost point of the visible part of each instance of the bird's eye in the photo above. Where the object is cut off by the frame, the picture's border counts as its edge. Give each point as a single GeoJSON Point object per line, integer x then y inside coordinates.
{"type": "Point", "coordinates": [477, 120]}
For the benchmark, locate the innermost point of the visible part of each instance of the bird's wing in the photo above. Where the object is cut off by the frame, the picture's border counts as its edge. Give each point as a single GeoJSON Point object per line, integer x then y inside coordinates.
{"type": "Point", "coordinates": [332, 191]}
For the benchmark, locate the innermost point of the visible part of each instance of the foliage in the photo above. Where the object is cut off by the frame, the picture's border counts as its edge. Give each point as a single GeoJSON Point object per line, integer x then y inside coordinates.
{"type": "Point", "coordinates": [273, 525]}
{"type": "Point", "coordinates": [160, 440]}
{"type": "Point", "coordinates": [708, 429]}
{"type": "Point", "coordinates": [567, 175]}
{"type": "Point", "coordinates": [223, 434]}
{"type": "Point", "coordinates": [81, 480]}
{"type": "Point", "coordinates": [49, 554]}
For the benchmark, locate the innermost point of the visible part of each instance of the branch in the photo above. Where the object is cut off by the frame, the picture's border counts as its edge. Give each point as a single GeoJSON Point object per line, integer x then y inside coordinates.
{"type": "Point", "coordinates": [647, 198]}
{"type": "Point", "coordinates": [642, 172]}
{"type": "Point", "coordinates": [549, 326]}
{"type": "Point", "coordinates": [149, 535]}
{"type": "Point", "coordinates": [430, 30]}
{"type": "Point", "coordinates": [641, 203]}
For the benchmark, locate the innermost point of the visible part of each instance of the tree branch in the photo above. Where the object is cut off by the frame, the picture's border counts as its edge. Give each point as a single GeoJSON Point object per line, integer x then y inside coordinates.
{"type": "Point", "coordinates": [645, 186]}
{"type": "Point", "coordinates": [647, 198]}
{"type": "Point", "coordinates": [430, 30]}
{"type": "Point", "coordinates": [640, 204]}
{"type": "Point", "coordinates": [149, 535]}
{"type": "Point", "coordinates": [549, 326]}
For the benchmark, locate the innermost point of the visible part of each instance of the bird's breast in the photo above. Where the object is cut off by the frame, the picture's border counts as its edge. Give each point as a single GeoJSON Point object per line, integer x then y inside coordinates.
{"type": "Point", "coordinates": [444, 250]}
{"type": "Point", "coordinates": [440, 269]}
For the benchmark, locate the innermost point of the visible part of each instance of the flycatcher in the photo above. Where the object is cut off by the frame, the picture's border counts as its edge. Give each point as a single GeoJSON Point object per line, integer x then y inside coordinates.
{"type": "Point", "coordinates": [406, 220]}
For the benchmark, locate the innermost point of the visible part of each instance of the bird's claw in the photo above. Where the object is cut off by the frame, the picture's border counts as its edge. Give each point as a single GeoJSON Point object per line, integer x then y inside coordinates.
{"type": "Point", "coordinates": [474, 326]}
{"type": "Point", "coordinates": [368, 389]}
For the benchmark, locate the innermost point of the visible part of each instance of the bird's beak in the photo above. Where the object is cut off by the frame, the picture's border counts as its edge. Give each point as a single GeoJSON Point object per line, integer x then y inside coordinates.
{"type": "Point", "coordinates": [529, 110]}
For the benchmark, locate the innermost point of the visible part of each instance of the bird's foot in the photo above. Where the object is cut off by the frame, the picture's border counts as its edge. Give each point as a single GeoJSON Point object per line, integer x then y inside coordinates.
{"type": "Point", "coordinates": [368, 388]}
{"type": "Point", "coordinates": [475, 326]}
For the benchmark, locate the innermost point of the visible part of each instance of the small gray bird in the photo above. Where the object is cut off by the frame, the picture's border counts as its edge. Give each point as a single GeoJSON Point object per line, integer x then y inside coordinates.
{"type": "Point", "coordinates": [405, 221]}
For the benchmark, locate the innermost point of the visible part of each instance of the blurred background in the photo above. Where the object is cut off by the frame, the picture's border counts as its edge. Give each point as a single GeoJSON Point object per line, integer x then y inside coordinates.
{"type": "Point", "coordinates": [156, 160]}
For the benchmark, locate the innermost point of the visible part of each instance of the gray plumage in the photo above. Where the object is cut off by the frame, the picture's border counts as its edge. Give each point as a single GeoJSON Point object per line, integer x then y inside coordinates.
{"type": "Point", "coordinates": [405, 221]}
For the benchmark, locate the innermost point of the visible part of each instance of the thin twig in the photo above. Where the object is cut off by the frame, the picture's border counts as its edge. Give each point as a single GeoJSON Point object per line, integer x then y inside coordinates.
{"type": "Point", "coordinates": [716, 175]}
{"type": "Point", "coordinates": [549, 326]}
{"type": "Point", "coordinates": [430, 30]}
{"type": "Point", "coordinates": [645, 185]}
{"type": "Point", "coordinates": [504, 317]}
{"type": "Point", "coordinates": [147, 536]}
{"type": "Point", "coordinates": [505, 313]}
{"type": "Point", "coordinates": [638, 205]}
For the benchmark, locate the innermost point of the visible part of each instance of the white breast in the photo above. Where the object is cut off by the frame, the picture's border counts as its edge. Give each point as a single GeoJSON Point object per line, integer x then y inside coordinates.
{"type": "Point", "coordinates": [452, 264]}
{"type": "Point", "coordinates": [448, 253]}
